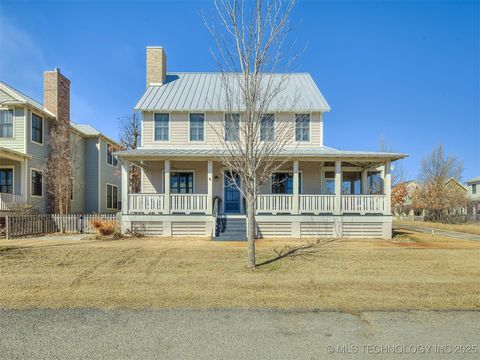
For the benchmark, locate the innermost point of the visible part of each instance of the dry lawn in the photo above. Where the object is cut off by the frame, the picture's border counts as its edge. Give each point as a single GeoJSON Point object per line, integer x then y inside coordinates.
{"type": "Point", "coordinates": [415, 271]}
{"type": "Point", "coordinates": [471, 228]}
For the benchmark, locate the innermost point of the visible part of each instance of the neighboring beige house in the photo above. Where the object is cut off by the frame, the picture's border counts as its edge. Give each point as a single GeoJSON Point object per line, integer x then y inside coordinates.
{"type": "Point", "coordinates": [24, 149]}
{"type": "Point", "coordinates": [320, 192]}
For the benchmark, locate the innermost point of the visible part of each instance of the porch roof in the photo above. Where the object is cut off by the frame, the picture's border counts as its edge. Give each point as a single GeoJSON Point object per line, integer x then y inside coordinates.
{"type": "Point", "coordinates": [318, 152]}
{"type": "Point", "coordinates": [13, 154]}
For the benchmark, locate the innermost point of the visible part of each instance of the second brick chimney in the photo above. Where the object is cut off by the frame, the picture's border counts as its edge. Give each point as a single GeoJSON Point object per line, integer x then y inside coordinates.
{"type": "Point", "coordinates": [56, 94]}
{"type": "Point", "coordinates": [156, 65]}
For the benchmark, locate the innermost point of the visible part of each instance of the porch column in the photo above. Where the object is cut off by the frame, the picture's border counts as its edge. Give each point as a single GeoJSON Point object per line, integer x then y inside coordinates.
{"type": "Point", "coordinates": [166, 186]}
{"type": "Point", "coordinates": [209, 187]}
{"type": "Point", "coordinates": [24, 172]}
{"type": "Point", "coordinates": [125, 188]}
{"type": "Point", "coordinates": [338, 186]}
{"type": "Point", "coordinates": [296, 190]}
{"type": "Point", "coordinates": [387, 184]}
{"type": "Point", "coordinates": [364, 181]}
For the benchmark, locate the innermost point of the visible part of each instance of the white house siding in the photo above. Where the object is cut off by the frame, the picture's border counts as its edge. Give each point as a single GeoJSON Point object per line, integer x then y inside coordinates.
{"type": "Point", "coordinates": [179, 130]}
{"type": "Point", "coordinates": [39, 154]}
{"type": "Point", "coordinates": [108, 175]}
{"type": "Point", "coordinates": [17, 142]}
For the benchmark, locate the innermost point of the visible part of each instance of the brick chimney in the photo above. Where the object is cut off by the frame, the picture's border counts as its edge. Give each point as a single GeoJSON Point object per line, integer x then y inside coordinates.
{"type": "Point", "coordinates": [56, 94]}
{"type": "Point", "coordinates": [156, 65]}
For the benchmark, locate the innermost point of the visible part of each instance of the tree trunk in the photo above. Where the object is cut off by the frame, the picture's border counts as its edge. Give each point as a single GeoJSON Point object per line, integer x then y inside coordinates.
{"type": "Point", "coordinates": [251, 231]}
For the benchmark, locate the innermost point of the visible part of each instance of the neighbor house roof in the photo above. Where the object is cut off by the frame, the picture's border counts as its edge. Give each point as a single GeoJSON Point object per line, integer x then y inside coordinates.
{"type": "Point", "coordinates": [474, 180]}
{"type": "Point", "coordinates": [18, 98]}
{"type": "Point", "coordinates": [206, 92]}
{"type": "Point", "coordinates": [89, 131]}
{"type": "Point", "coordinates": [323, 151]}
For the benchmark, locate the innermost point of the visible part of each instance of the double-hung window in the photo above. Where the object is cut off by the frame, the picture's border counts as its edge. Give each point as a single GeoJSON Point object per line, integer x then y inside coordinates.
{"type": "Point", "coordinates": [6, 181]}
{"type": "Point", "coordinates": [232, 127]}
{"type": "Point", "coordinates": [37, 183]}
{"type": "Point", "coordinates": [282, 183]}
{"type": "Point", "coordinates": [112, 200]}
{"type": "Point", "coordinates": [267, 127]}
{"type": "Point", "coordinates": [111, 160]}
{"type": "Point", "coordinates": [181, 182]}
{"type": "Point", "coordinates": [161, 127]}
{"type": "Point", "coordinates": [6, 123]}
{"type": "Point", "coordinates": [302, 127]}
{"type": "Point", "coordinates": [197, 127]}
{"type": "Point", "coordinates": [37, 128]}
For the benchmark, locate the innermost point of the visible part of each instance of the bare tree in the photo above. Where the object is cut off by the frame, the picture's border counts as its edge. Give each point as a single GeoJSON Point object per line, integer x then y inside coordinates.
{"type": "Point", "coordinates": [435, 194]}
{"type": "Point", "coordinates": [130, 134]}
{"type": "Point", "coordinates": [251, 51]}
{"type": "Point", "coordinates": [58, 170]}
{"type": "Point", "coordinates": [398, 171]}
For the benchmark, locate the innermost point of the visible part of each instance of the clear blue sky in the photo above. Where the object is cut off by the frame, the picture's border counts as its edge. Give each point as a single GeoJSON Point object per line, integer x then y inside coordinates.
{"type": "Point", "coordinates": [407, 70]}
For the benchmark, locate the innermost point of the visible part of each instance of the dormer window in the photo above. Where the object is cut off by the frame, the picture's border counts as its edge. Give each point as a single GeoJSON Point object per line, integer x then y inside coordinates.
{"type": "Point", "coordinates": [6, 123]}
{"type": "Point", "coordinates": [37, 128]}
{"type": "Point", "coordinates": [161, 127]}
{"type": "Point", "coordinates": [267, 127]}
{"type": "Point", "coordinates": [232, 127]}
{"type": "Point", "coordinates": [302, 127]}
{"type": "Point", "coordinates": [197, 127]}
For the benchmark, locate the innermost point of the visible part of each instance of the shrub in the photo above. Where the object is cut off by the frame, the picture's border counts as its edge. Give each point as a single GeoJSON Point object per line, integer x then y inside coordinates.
{"type": "Point", "coordinates": [104, 227]}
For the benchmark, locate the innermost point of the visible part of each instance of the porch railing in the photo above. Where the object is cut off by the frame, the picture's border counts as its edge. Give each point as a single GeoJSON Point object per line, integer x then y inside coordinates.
{"type": "Point", "coordinates": [316, 204]}
{"type": "Point", "coordinates": [146, 203]}
{"type": "Point", "coordinates": [363, 204]}
{"type": "Point", "coordinates": [274, 204]}
{"type": "Point", "coordinates": [188, 203]}
{"type": "Point", "coordinates": [10, 201]}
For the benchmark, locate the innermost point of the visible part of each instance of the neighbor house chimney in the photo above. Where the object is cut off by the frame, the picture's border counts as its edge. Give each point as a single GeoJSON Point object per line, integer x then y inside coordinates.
{"type": "Point", "coordinates": [156, 65]}
{"type": "Point", "coordinates": [56, 94]}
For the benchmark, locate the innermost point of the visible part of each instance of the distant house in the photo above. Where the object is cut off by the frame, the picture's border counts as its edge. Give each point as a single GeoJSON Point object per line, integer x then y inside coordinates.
{"type": "Point", "coordinates": [24, 149]}
{"type": "Point", "coordinates": [473, 191]}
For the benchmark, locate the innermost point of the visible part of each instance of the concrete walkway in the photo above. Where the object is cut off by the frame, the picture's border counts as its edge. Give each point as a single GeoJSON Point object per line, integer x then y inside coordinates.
{"type": "Point", "coordinates": [447, 233]}
{"type": "Point", "coordinates": [237, 334]}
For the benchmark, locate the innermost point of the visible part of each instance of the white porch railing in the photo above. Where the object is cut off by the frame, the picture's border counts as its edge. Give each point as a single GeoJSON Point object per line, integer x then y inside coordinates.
{"type": "Point", "coordinates": [363, 204]}
{"type": "Point", "coordinates": [274, 204]}
{"type": "Point", "coordinates": [9, 201]}
{"type": "Point", "coordinates": [146, 203]}
{"type": "Point", "coordinates": [188, 203]}
{"type": "Point", "coordinates": [316, 204]}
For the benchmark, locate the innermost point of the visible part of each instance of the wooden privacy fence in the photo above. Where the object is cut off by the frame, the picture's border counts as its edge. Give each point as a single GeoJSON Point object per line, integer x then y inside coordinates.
{"type": "Point", "coordinates": [26, 225]}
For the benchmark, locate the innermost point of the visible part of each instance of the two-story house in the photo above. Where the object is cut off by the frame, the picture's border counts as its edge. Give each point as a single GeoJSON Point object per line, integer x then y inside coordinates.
{"type": "Point", "coordinates": [320, 192]}
{"type": "Point", "coordinates": [473, 193]}
{"type": "Point", "coordinates": [24, 150]}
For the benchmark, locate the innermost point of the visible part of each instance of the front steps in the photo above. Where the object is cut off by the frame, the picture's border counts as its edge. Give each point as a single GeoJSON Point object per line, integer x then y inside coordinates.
{"type": "Point", "coordinates": [231, 229]}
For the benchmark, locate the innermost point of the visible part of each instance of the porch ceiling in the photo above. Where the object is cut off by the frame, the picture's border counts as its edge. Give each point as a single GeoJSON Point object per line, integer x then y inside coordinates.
{"type": "Point", "coordinates": [319, 153]}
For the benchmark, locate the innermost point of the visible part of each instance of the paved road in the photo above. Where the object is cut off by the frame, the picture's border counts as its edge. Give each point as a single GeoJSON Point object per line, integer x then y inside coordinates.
{"type": "Point", "coordinates": [235, 334]}
{"type": "Point", "coordinates": [447, 233]}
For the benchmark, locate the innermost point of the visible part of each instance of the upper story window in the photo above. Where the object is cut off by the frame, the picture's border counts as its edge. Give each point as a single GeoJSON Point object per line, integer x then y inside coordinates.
{"type": "Point", "coordinates": [6, 181]}
{"type": "Point", "coordinates": [6, 123]}
{"type": "Point", "coordinates": [112, 197]}
{"type": "Point", "coordinates": [232, 127]}
{"type": "Point", "coordinates": [161, 127]}
{"type": "Point", "coordinates": [37, 183]}
{"type": "Point", "coordinates": [267, 127]}
{"type": "Point", "coordinates": [302, 127]}
{"type": "Point", "coordinates": [181, 182]}
{"type": "Point", "coordinates": [474, 189]}
{"type": "Point", "coordinates": [282, 183]}
{"type": "Point", "coordinates": [37, 128]}
{"type": "Point", "coordinates": [111, 160]}
{"type": "Point", "coordinates": [197, 127]}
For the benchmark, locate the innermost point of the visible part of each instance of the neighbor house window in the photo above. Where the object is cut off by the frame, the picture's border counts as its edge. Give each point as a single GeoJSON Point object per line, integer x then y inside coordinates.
{"type": "Point", "coordinates": [111, 160]}
{"type": "Point", "coordinates": [6, 181]}
{"type": "Point", "coordinates": [232, 127]}
{"type": "Point", "coordinates": [161, 127]}
{"type": "Point", "coordinates": [267, 127]}
{"type": "Point", "coordinates": [6, 123]}
{"type": "Point", "coordinates": [37, 183]}
{"type": "Point", "coordinates": [197, 127]}
{"type": "Point", "coordinates": [282, 183]}
{"type": "Point", "coordinates": [181, 182]}
{"type": "Point", "coordinates": [375, 183]}
{"type": "Point", "coordinates": [37, 128]}
{"type": "Point", "coordinates": [474, 189]}
{"type": "Point", "coordinates": [329, 183]}
{"type": "Point", "coordinates": [351, 183]}
{"type": "Point", "coordinates": [112, 200]}
{"type": "Point", "coordinates": [302, 127]}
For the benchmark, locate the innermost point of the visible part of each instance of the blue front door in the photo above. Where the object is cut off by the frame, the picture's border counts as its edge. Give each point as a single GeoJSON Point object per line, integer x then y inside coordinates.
{"type": "Point", "coordinates": [231, 193]}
